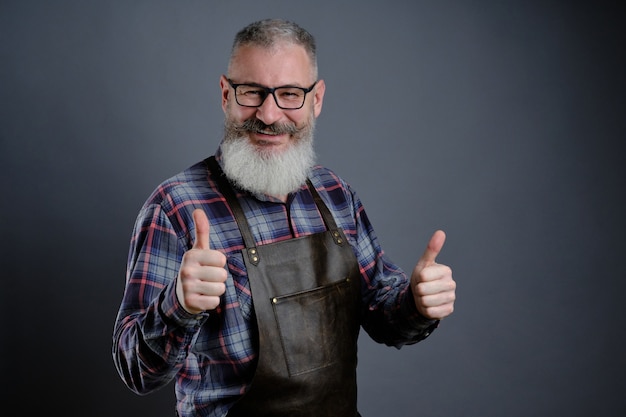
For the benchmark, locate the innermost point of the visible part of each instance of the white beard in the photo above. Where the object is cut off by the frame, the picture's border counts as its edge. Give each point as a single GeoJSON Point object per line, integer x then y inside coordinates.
{"type": "Point", "coordinates": [271, 173]}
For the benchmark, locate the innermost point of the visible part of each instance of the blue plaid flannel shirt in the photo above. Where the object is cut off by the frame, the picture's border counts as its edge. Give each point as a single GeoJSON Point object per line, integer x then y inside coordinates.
{"type": "Point", "coordinates": [211, 354]}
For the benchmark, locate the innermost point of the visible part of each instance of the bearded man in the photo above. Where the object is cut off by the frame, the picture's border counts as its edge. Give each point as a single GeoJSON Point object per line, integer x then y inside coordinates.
{"type": "Point", "coordinates": [251, 273]}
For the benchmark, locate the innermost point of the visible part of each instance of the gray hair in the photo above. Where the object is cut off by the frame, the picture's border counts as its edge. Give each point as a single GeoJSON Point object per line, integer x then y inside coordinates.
{"type": "Point", "coordinates": [268, 33]}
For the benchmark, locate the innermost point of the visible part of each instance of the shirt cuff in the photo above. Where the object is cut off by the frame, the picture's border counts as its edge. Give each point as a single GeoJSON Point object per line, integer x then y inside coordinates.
{"type": "Point", "coordinates": [421, 326]}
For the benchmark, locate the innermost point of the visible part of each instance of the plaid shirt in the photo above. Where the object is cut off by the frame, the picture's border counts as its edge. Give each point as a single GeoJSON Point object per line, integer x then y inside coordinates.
{"type": "Point", "coordinates": [211, 355]}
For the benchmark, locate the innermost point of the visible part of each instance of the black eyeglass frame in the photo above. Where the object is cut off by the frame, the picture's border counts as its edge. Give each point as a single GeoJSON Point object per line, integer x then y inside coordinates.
{"type": "Point", "coordinates": [270, 91]}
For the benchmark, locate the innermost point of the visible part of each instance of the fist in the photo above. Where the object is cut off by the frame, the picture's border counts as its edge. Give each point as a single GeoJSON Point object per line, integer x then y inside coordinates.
{"type": "Point", "coordinates": [432, 285]}
{"type": "Point", "coordinates": [201, 278]}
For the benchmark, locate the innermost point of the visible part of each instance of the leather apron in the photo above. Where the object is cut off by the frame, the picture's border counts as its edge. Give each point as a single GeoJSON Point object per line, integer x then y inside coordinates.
{"type": "Point", "coordinates": [306, 296]}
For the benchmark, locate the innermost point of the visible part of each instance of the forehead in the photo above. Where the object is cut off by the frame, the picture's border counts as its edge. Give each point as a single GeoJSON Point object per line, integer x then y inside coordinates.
{"type": "Point", "coordinates": [281, 64]}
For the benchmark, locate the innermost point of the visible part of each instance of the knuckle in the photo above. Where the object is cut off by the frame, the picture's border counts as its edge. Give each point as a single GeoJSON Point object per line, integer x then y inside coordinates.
{"type": "Point", "coordinates": [420, 289]}
{"type": "Point", "coordinates": [223, 275]}
{"type": "Point", "coordinates": [185, 272]}
{"type": "Point", "coordinates": [213, 303]}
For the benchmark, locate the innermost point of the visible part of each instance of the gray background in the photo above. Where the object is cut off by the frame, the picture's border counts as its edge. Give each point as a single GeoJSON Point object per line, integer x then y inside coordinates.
{"type": "Point", "coordinates": [500, 122]}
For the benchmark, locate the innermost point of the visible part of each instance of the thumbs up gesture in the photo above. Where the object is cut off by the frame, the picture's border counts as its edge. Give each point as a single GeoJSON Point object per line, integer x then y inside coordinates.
{"type": "Point", "coordinates": [202, 275]}
{"type": "Point", "coordinates": [432, 284]}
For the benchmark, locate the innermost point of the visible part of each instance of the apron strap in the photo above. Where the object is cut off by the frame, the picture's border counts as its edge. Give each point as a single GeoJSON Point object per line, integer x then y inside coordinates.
{"type": "Point", "coordinates": [329, 221]}
{"type": "Point", "coordinates": [227, 191]}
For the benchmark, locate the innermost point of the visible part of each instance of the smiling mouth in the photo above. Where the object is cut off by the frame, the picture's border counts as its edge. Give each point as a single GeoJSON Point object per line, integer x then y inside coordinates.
{"type": "Point", "coordinates": [267, 139]}
{"type": "Point", "coordinates": [267, 132]}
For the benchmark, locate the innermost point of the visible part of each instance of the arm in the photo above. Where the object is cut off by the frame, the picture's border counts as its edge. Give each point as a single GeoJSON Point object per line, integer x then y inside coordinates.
{"type": "Point", "coordinates": [153, 332]}
{"type": "Point", "coordinates": [399, 310]}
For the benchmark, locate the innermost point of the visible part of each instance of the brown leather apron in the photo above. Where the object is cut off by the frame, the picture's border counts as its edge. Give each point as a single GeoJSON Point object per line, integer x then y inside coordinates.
{"type": "Point", "coordinates": [306, 295]}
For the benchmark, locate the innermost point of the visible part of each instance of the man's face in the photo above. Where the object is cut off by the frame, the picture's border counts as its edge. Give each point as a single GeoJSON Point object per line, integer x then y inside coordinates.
{"type": "Point", "coordinates": [283, 65]}
{"type": "Point", "coordinates": [266, 149]}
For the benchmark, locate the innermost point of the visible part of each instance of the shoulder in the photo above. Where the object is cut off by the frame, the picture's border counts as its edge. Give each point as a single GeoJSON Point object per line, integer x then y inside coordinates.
{"type": "Point", "coordinates": [333, 188]}
{"type": "Point", "coordinates": [191, 185]}
{"type": "Point", "coordinates": [325, 178]}
{"type": "Point", "coordinates": [171, 203]}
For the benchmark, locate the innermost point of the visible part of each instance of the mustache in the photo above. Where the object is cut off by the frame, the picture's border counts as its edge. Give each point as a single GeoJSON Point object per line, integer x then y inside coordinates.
{"type": "Point", "coordinates": [257, 126]}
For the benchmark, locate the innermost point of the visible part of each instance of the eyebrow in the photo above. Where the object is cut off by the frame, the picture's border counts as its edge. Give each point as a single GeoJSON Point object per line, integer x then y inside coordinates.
{"type": "Point", "coordinates": [265, 86]}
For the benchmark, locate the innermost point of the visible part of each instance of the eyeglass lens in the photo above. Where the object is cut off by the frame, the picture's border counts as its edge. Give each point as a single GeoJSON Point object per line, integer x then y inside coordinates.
{"type": "Point", "coordinates": [286, 97]}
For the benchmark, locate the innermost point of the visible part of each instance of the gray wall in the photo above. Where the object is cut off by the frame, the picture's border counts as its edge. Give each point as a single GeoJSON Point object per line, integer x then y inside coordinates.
{"type": "Point", "coordinates": [499, 122]}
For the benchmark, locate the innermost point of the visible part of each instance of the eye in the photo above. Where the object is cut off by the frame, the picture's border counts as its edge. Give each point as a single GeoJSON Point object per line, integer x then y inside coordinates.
{"type": "Point", "coordinates": [290, 93]}
{"type": "Point", "coordinates": [251, 91]}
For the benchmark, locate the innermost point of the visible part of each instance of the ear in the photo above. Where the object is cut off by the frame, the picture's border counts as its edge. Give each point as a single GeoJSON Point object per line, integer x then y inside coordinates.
{"type": "Point", "coordinates": [225, 86]}
{"type": "Point", "coordinates": [318, 97]}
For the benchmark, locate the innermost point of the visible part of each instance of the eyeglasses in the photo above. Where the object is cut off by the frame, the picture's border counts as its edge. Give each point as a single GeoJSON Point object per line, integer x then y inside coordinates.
{"type": "Point", "coordinates": [253, 95]}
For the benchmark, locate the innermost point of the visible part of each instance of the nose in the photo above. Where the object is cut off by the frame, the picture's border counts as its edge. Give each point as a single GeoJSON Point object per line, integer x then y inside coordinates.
{"type": "Point", "coordinates": [269, 112]}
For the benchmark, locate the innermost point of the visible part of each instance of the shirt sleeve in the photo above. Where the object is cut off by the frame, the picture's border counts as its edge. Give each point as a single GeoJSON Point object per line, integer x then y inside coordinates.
{"type": "Point", "coordinates": [153, 333]}
{"type": "Point", "coordinates": [389, 312]}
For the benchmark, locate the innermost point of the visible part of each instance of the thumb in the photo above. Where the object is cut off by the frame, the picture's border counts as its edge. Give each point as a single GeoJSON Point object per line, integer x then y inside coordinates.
{"type": "Point", "coordinates": [201, 223]}
{"type": "Point", "coordinates": [432, 249]}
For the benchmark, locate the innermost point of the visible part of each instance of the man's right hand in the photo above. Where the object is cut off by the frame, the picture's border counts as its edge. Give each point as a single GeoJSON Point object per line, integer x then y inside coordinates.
{"type": "Point", "coordinates": [202, 275]}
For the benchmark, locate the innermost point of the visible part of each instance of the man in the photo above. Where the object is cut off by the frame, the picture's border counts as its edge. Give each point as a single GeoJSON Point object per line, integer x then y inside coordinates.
{"type": "Point", "coordinates": [251, 273]}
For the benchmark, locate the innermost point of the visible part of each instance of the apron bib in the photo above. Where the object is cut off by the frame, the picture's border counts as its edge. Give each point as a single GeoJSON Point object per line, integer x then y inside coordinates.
{"type": "Point", "coordinates": [306, 296]}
